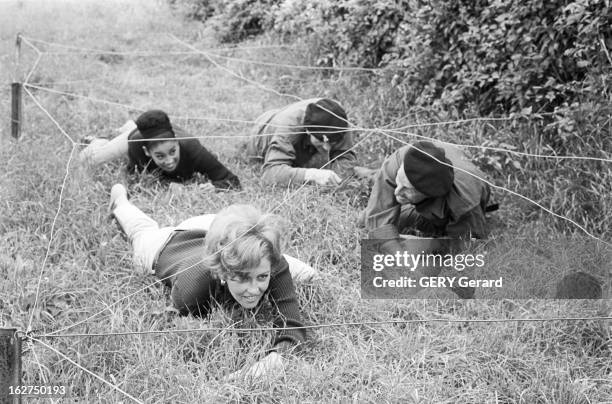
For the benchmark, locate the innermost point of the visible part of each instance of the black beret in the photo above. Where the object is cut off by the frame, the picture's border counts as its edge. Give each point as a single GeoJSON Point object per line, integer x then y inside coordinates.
{"type": "Point", "coordinates": [326, 118]}
{"type": "Point", "coordinates": [428, 176]}
{"type": "Point", "coordinates": [154, 123]}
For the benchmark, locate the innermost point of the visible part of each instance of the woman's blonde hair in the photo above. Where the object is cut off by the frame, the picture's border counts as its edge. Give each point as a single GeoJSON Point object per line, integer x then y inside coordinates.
{"type": "Point", "coordinates": [241, 236]}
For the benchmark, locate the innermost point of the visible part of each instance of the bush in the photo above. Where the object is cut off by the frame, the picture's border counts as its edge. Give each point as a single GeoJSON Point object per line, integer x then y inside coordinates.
{"type": "Point", "coordinates": [200, 10]}
{"type": "Point", "coordinates": [498, 56]}
{"type": "Point", "coordinates": [505, 56]}
{"type": "Point", "coordinates": [233, 20]}
{"type": "Point", "coordinates": [352, 32]}
{"type": "Point", "coordinates": [545, 61]}
{"type": "Point", "coordinates": [512, 56]}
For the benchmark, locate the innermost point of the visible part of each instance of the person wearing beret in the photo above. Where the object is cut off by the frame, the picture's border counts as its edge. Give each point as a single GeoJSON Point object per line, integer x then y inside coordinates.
{"type": "Point", "coordinates": [152, 143]}
{"type": "Point", "coordinates": [294, 142]}
{"type": "Point", "coordinates": [427, 189]}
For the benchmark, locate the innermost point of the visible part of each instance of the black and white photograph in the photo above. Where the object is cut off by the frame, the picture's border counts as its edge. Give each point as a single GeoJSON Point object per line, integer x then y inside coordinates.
{"type": "Point", "coordinates": [284, 201]}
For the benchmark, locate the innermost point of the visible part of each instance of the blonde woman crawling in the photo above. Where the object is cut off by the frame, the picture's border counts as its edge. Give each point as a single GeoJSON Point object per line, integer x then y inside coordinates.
{"type": "Point", "coordinates": [230, 258]}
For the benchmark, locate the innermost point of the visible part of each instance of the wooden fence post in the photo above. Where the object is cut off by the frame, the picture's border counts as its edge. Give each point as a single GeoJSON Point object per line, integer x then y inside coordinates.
{"type": "Point", "coordinates": [16, 111]}
{"type": "Point", "coordinates": [10, 365]}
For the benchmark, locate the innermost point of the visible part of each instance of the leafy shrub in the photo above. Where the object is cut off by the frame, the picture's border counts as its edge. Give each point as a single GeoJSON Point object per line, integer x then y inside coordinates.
{"type": "Point", "coordinates": [547, 61]}
{"type": "Point", "coordinates": [351, 32]}
{"type": "Point", "coordinates": [505, 56]}
{"type": "Point", "coordinates": [499, 56]}
{"type": "Point", "coordinates": [200, 10]}
{"type": "Point", "coordinates": [232, 20]}
{"type": "Point", "coordinates": [240, 19]}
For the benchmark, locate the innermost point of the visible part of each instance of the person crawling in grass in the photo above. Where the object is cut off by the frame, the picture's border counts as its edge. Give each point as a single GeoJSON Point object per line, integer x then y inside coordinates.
{"type": "Point", "coordinates": [432, 192]}
{"type": "Point", "coordinates": [427, 190]}
{"type": "Point", "coordinates": [153, 144]}
{"type": "Point", "coordinates": [232, 258]}
{"type": "Point", "coordinates": [294, 142]}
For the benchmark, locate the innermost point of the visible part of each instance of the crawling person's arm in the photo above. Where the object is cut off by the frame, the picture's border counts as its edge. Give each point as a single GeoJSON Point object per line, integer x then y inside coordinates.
{"type": "Point", "coordinates": [200, 160]}
{"type": "Point", "coordinates": [283, 298]}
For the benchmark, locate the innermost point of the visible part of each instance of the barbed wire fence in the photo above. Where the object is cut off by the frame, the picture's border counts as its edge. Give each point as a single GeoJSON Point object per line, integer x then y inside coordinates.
{"type": "Point", "coordinates": [34, 336]}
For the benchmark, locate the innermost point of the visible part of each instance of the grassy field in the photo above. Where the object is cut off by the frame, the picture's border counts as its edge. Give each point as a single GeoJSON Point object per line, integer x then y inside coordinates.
{"type": "Point", "coordinates": [63, 261]}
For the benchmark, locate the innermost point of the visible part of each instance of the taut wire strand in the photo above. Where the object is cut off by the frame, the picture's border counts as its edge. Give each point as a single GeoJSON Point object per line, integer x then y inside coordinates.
{"type": "Point", "coordinates": [231, 72]}
{"type": "Point", "coordinates": [212, 52]}
{"type": "Point", "coordinates": [25, 87]}
{"type": "Point", "coordinates": [87, 370]}
{"type": "Point", "coordinates": [259, 85]}
{"type": "Point", "coordinates": [38, 57]}
{"type": "Point", "coordinates": [118, 104]}
{"type": "Point", "coordinates": [57, 212]}
{"type": "Point", "coordinates": [492, 148]}
{"type": "Point", "coordinates": [356, 128]}
{"type": "Point", "coordinates": [302, 67]}
{"type": "Point", "coordinates": [505, 189]}
{"type": "Point", "coordinates": [104, 51]}
{"type": "Point", "coordinates": [331, 325]}
{"type": "Point", "coordinates": [283, 202]}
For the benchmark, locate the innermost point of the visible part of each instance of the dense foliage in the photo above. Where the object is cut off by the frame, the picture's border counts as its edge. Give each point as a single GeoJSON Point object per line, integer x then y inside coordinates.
{"type": "Point", "coordinates": [546, 61]}
{"type": "Point", "coordinates": [234, 20]}
{"type": "Point", "coordinates": [501, 56]}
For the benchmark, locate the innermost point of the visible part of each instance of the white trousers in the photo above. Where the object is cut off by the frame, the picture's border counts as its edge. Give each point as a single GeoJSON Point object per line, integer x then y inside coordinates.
{"type": "Point", "coordinates": [148, 238]}
{"type": "Point", "coordinates": [103, 150]}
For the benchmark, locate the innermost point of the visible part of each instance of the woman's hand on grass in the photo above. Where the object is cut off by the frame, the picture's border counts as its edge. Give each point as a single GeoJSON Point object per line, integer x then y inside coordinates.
{"type": "Point", "coordinates": [206, 187]}
{"type": "Point", "coordinates": [268, 366]}
{"type": "Point", "coordinates": [175, 188]}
